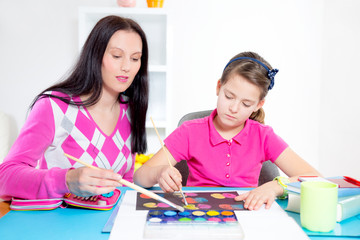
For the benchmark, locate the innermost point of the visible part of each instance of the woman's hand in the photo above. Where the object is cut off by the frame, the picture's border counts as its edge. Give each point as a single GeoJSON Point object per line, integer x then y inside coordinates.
{"type": "Point", "coordinates": [264, 194]}
{"type": "Point", "coordinates": [87, 182]}
{"type": "Point", "coordinates": [169, 179]}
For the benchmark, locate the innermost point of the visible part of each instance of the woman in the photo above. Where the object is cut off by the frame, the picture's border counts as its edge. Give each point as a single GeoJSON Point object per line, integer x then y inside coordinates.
{"type": "Point", "coordinates": [97, 114]}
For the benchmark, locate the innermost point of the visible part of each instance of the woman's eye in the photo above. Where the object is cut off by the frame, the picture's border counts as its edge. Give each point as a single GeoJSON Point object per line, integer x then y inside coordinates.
{"type": "Point", "coordinates": [227, 96]}
{"type": "Point", "coordinates": [135, 59]}
{"type": "Point", "coordinates": [116, 56]}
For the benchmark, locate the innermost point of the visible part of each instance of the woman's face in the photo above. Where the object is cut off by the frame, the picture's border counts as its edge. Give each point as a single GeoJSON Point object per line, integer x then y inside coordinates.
{"type": "Point", "coordinates": [121, 61]}
{"type": "Point", "coordinates": [237, 100]}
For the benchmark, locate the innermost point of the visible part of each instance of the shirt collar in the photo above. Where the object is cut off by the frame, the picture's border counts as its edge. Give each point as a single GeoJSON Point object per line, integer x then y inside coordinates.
{"type": "Point", "coordinates": [216, 138]}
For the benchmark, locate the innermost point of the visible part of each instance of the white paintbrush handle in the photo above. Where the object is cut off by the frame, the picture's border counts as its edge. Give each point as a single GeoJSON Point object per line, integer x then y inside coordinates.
{"type": "Point", "coordinates": [139, 189]}
{"type": "Point", "coordinates": [150, 194]}
{"type": "Point", "coordinates": [132, 185]}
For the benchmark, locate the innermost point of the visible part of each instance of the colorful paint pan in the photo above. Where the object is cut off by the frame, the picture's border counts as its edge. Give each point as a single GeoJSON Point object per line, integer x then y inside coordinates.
{"type": "Point", "coordinates": [198, 213]}
{"type": "Point", "coordinates": [169, 213]}
{"type": "Point", "coordinates": [185, 213]}
{"type": "Point", "coordinates": [155, 213]}
{"type": "Point", "coordinates": [227, 213]}
{"type": "Point", "coordinates": [212, 213]}
{"type": "Point", "coordinates": [200, 219]}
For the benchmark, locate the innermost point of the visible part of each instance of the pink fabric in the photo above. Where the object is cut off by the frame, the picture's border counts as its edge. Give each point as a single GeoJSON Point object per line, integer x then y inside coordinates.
{"type": "Point", "coordinates": [214, 161]}
{"type": "Point", "coordinates": [52, 129]}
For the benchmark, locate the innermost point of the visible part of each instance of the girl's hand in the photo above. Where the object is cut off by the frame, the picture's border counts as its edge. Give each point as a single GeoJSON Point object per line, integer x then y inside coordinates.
{"type": "Point", "coordinates": [264, 194]}
{"type": "Point", "coordinates": [169, 179]}
{"type": "Point", "coordinates": [87, 182]}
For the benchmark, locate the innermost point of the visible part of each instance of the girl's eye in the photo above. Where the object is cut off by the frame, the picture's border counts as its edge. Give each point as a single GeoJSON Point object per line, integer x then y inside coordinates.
{"type": "Point", "coordinates": [227, 96]}
{"type": "Point", "coordinates": [135, 59]}
{"type": "Point", "coordinates": [116, 56]}
{"type": "Point", "coordinates": [246, 105]}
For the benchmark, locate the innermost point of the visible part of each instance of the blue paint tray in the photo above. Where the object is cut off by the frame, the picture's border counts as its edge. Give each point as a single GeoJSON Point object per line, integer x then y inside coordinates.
{"type": "Point", "coordinates": [192, 224]}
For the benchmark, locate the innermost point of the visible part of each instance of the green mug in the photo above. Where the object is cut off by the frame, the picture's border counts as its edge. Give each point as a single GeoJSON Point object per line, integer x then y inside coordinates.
{"type": "Point", "coordinates": [318, 201]}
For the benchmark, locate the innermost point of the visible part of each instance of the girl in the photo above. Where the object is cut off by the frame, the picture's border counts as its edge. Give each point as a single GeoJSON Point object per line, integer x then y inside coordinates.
{"type": "Point", "coordinates": [97, 114]}
{"type": "Point", "coordinates": [228, 147]}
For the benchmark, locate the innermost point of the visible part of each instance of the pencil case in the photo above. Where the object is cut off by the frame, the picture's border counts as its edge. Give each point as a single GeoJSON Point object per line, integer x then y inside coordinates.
{"type": "Point", "coordinates": [35, 204]}
{"type": "Point", "coordinates": [99, 202]}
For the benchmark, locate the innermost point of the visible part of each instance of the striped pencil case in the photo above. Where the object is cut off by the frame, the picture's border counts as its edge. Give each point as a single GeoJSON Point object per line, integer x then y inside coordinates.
{"type": "Point", "coordinates": [99, 202]}
{"type": "Point", "coordinates": [35, 204]}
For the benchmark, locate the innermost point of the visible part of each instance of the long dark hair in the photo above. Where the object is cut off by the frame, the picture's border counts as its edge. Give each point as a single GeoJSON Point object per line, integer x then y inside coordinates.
{"type": "Point", "coordinates": [86, 79]}
{"type": "Point", "coordinates": [254, 73]}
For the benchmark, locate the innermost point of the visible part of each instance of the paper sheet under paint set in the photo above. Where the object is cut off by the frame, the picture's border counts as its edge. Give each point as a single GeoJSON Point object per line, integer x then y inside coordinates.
{"type": "Point", "coordinates": [209, 215]}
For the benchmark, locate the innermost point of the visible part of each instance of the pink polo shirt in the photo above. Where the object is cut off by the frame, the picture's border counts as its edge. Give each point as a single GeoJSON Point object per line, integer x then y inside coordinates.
{"type": "Point", "coordinates": [215, 161]}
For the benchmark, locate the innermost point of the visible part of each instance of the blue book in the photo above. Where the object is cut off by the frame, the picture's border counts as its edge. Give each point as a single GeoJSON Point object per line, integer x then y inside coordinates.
{"type": "Point", "coordinates": [342, 192]}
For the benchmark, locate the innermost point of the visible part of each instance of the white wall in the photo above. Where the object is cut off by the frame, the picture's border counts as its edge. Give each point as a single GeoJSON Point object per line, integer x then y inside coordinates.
{"type": "Point", "coordinates": [314, 43]}
{"type": "Point", "coordinates": [340, 85]}
{"type": "Point", "coordinates": [286, 33]}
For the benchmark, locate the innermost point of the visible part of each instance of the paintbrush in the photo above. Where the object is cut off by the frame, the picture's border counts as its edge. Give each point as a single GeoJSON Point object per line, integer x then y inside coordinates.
{"type": "Point", "coordinates": [168, 158]}
{"type": "Point", "coordinates": [133, 186]}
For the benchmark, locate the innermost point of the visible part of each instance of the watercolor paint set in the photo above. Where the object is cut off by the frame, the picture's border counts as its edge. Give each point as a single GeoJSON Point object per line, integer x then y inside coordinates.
{"type": "Point", "coordinates": [191, 216]}
{"type": "Point", "coordinates": [191, 224]}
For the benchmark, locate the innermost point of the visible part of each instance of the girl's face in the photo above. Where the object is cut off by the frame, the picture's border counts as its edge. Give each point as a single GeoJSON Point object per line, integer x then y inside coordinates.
{"type": "Point", "coordinates": [121, 61]}
{"type": "Point", "coordinates": [237, 100]}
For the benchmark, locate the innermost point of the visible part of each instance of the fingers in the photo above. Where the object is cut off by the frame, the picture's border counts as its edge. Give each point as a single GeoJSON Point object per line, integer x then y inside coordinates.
{"type": "Point", "coordinates": [169, 183]}
{"type": "Point", "coordinates": [108, 178]}
{"type": "Point", "coordinates": [87, 182]}
{"type": "Point", "coordinates": [170, 179]}
{"type": "Point", "coordinates": [104, 174]}
{"type": "Point", "coordinates": [100, 178]}
{"type": "Point", "coordinates": [177, 178]}
{"type": "Point", "coordinates": [165, 186]}
{"type": "Point", "coordinates": [241, 197]}
{"type": "Point", "coordinates": [253, 200]}
{"type": "Point", "coordinates": [269, 203]}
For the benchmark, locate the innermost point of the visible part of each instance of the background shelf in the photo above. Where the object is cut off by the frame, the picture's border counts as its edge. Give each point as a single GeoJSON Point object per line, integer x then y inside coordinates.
{"type": "Point", "coordinates": [154, 22]}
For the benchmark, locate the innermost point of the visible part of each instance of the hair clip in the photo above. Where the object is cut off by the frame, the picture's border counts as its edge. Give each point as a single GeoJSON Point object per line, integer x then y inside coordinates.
{"type": "Point", "coordinates": [271, 75]}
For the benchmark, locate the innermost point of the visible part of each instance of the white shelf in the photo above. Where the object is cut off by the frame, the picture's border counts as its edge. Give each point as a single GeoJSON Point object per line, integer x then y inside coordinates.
{"type": "Point", "coordinates": [154, 22]}
{"type": "Point", "coordinates": [102, 11]}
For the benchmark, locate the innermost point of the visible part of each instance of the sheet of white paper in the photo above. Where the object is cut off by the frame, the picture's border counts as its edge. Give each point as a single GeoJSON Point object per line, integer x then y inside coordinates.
{"type": "Point", "coordinates": [129, 223]}
{"type": "Point", "coordinates": [269, 224]}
